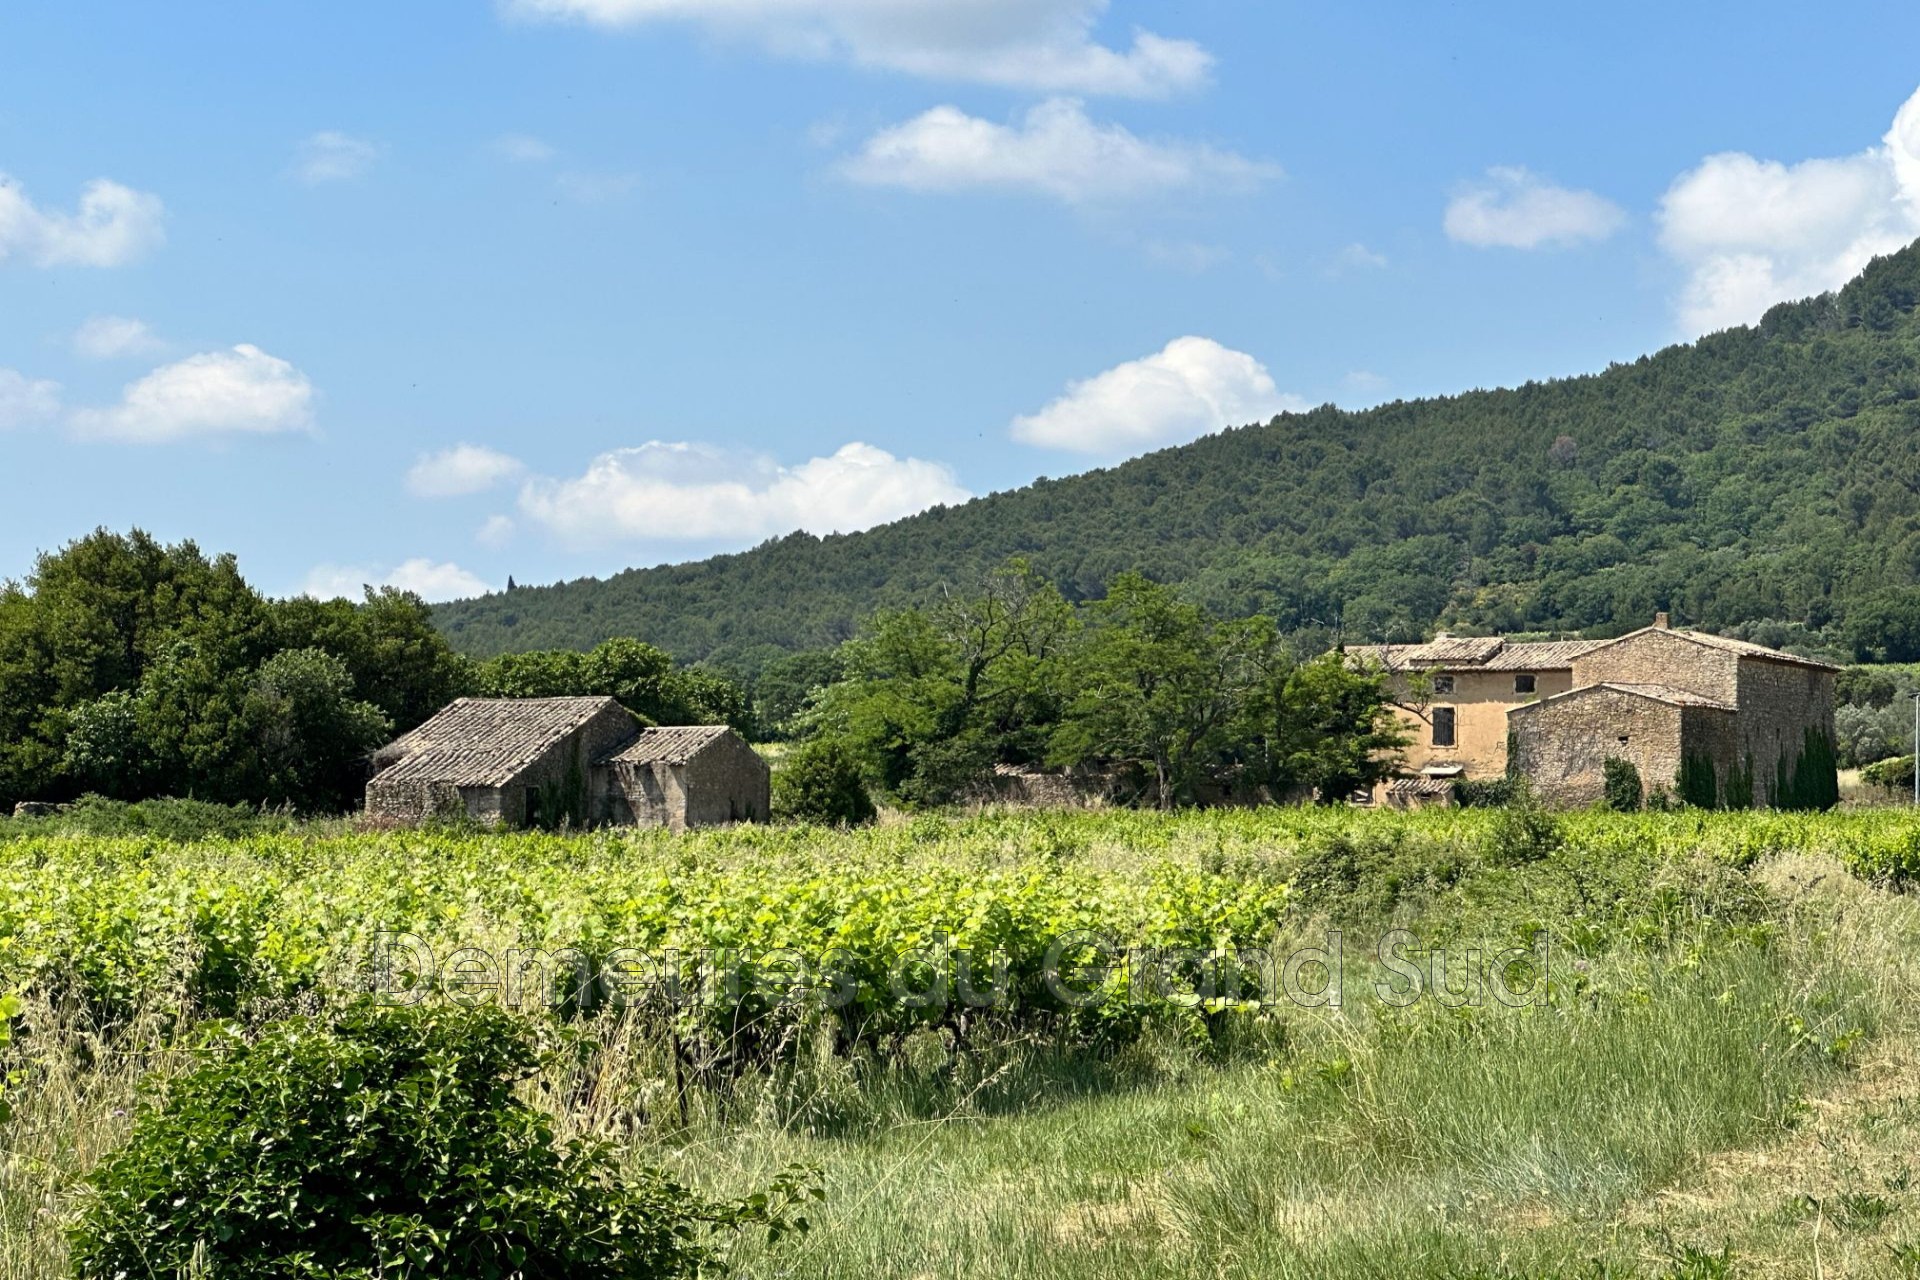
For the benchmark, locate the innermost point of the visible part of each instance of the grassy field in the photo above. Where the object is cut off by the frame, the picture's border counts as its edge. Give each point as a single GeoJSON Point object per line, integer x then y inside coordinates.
{"type": "Point", "coordinates": [1717, 1077]}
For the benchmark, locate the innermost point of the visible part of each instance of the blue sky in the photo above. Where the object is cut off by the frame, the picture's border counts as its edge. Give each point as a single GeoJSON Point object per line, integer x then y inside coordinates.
{"type": "Point", "coordinates": [440, 292]}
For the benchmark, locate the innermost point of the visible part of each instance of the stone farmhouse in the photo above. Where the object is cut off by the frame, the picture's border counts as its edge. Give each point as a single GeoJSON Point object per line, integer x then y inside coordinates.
{"type": "Point", "coordinates": [1717, 722]}
{"type": "Point", "coordinates": [516, 762]}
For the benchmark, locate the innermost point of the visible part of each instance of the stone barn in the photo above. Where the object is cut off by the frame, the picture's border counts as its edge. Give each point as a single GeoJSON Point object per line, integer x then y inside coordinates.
{"type": "Point", "coordinates": [517, 762]}
{"type": "Point", "coordinates": [689, 776]}
{"type": "Point", "coordinates": [1726, 723]}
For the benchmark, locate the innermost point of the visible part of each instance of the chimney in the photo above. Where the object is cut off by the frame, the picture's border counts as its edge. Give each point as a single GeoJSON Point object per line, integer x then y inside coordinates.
{"type": "Point", "coordinates": [1660, 620]}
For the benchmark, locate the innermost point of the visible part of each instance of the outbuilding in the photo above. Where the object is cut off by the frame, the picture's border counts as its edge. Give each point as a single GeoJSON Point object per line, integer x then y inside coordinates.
{"type": "Point", "coordinates": [550, 762]}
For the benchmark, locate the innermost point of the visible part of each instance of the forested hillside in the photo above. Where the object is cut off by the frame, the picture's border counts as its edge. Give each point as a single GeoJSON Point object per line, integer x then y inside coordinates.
{"type": "Point", "coordinates": [1766, 475]}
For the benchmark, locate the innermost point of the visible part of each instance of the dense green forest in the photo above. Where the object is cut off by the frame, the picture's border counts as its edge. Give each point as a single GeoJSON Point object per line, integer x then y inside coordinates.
{"type": "Point", "coordinates": [1764, 482]}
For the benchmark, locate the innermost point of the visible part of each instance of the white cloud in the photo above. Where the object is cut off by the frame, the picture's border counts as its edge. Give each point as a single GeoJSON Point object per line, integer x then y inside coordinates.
{"type": "Point", "coordinates": [1192, 387]}
{"type": "Point", "coordinates": [1055, 150]}
{"type": "Point", "coordinates": [1041, 45]}
{"type": "Point", "coordinates": [678, 491]}
{"type": "Point", "coordinates": [112, 226]}
{"type": "Point", "coordinates": [1752, 232]}
{"type": "Point", "coordinates": [522, 148]}
{"type": "Point", "coordinates": [25, 401]}
{"type": "Point", "coordinates": [114, 337]}
{"type": "Point", "coordinates": [329, 156]}
{"type": "Point", "coordinates": [1516, 209]}
{"type": "Point", "coordinates": [428, 579]}
{"type": "Point", "coordinates": [1357, 257]}
{"type": "Point", "coordinates": [239, 392]}
{"type": "Point", "coordinates": [461, 470]}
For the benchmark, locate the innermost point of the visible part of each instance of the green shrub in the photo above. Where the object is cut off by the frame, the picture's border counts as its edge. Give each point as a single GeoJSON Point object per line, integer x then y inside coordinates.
{"type": "Point", "coordinates": [1522, 831]}
{"type": "Point", "coordinates": [1488, 793]}
{"type": "Point", "coordinates": [821, 782]}
{"type": "Point", "coordinates": [179, 820]}
{"type": "Point", "coordinates": [383, 1142]}
{"type": "Point", "coordinates": [1623, 790]}
{"type": "Point", "coordinates": [1891, 775]}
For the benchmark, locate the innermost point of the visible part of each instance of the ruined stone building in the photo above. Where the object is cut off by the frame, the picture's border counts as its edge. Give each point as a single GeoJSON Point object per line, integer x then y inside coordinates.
{"type": "Point", "coordinates": [574, 761]}
{"type": "Point", "coordinates": [1713, 721]}
{"type": "Point", "coordinates": [690, 776]}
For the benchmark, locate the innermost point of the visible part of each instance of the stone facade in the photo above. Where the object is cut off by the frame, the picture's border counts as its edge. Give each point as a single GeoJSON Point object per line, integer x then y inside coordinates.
{"type": "Point", "coordinates": [1755, 717]}
{"type": "Point", "coordinates": [1452, 697]}
{"type": "Point", "coordinates": [1659, 698]}
{"type": "Point", "coordinates": [689, 777]}
{"type": "Point", "coordinates": [556, 761]}
{"type": "Point", "coordinates": [1563, 747]}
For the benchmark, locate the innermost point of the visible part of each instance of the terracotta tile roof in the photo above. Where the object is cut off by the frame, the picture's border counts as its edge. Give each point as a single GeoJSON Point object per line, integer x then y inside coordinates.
{"type": "Point", "coordinates": [1540, 655]}
{"type": "Point", "coordinates": [669, 744]}
{"type": "Point", "coordinates": [1476, 653]}
{"type": "Point", "coordinates": [1495, 653]}
{"type": "Point", "coordinates": [1444, 651]}
{"type": "Point", "coordinates": [485, 742]}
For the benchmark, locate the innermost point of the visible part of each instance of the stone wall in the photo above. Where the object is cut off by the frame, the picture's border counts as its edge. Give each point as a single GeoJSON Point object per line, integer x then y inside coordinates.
{"type": "Point", "coordinates": [567, 765]}
{"type": "Point", "coordinates": [649, 795]}
{"type": "Point", "coordinates": [1779, 702]}
{"type": "Point", "coordinates": [1662, 657]}
{"type": "Point", "coordinates": [413, 802]}
{"type": "Point", "coordinates": [1563, 746]}
{"type": "Point", "coordinates": [727, 782]}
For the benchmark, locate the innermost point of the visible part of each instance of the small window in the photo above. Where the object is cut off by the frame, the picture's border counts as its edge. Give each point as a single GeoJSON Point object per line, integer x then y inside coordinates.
{"type": "Point", "coordinates": [1523, 683]}
{"type": "Point", "coordinates": [1443, 726]}
{"type": "Point", "coordinates": [1443, 684]}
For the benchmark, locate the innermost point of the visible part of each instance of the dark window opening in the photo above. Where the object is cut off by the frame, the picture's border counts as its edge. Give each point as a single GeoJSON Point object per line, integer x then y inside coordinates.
{"type": "Point", "coordinates": [1443, 726]}
{"type": "Point", "coordinates": [1523, 683]}
{"type": "Point", "coordinates": [1443, 684]}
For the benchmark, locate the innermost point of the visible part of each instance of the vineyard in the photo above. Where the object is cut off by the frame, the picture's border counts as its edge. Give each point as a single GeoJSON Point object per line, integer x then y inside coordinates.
{"type": "Point", "coordinates": [945, 1017]}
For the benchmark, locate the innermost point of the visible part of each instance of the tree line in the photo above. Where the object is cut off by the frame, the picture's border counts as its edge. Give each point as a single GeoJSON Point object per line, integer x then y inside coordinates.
{"type": "Point", "coordinates": [1144, 684]}
{"type": "Point", "coordinates": [134, 669]}
{"type": "Point", "coordinates": [131, 669]}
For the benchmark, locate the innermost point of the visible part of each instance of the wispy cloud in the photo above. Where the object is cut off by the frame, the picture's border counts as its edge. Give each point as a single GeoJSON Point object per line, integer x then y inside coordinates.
{"type": "Point", "coordinates": [1045, 46]}
{"type": "Point", "coordinates": [114, 338]}
{"type": "Point", "coordinates": [522, 148]}
{"type": "Point", "coordinates": [1055, 150]}
{"type": "Point", "coordinates": [428, 579]}
{"type": "Point", "coordinates": [26, 402]}
{"type": "Point", "coordinates": [1514, 208]}
{"type": "Point", "coordinates": [678, 491]}
{"type": "Point", "coordinates": [333, 157]}
{"type": "Point", "coordinates": [459, 471]}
